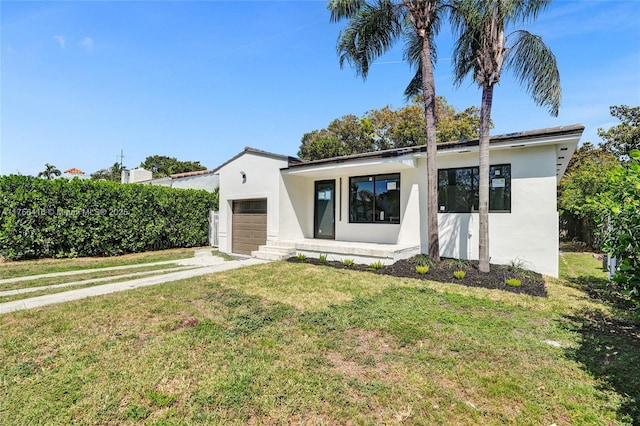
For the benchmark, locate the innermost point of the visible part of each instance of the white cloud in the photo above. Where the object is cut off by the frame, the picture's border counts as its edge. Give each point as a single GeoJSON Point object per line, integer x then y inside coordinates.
{"type": "Point", "coordinates": [62, 42]}
{"type": "Point", "coordinates": [87, 44]}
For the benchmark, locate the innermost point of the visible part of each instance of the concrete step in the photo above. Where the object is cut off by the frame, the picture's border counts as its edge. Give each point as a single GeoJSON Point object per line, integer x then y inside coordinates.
{"type": "Point", "coordinates": [277, 250]}
{"type": "Point", "coordinates": [268, 256]}
{"type": "Point", "coordinates": [346, 250]}
{"type": "Point", "coordinates": [274, 252]}
{"type": "Point", "coordinates": [281, 244]}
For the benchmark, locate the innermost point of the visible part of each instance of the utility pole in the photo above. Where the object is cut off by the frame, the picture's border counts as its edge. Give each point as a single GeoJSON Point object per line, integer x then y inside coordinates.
{"type": "Point", "coordinates": [121, 156]}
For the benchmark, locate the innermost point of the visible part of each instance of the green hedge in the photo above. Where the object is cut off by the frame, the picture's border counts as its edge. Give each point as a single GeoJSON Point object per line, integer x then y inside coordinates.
{"type": "Point", "coordinates": [68, 218]}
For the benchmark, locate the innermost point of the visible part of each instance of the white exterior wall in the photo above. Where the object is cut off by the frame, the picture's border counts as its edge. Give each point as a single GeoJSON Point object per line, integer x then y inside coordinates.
{"type": "Point", "coordinates": [208, 182]}
{"type": "Point", "coordinates": [529, 234]}
{"type": "Point", "coordinates": [297, 207]}
{"type": "Point", "coordinates": [262, 181]}
{"type": "Point", "coordinates": [135, 175]}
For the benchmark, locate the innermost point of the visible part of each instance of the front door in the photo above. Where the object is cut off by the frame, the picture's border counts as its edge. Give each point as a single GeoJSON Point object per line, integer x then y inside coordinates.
{"type": "Point", "coordinates": [324, 226]}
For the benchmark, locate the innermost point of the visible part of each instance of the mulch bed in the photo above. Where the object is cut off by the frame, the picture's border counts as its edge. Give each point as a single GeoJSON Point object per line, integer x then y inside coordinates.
{"type": "Point", "coordinates": [532, 282]}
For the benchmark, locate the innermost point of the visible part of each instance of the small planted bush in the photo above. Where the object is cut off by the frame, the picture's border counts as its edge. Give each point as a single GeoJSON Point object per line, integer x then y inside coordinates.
{"type": "Point", "coordinates": [322, 258]}
{"type": "Point", "coordinates": [459, 274]}
{"type": "Point", "coordinates": [301, 257]}
{"type": "Point", "coordinates": [423, 260]}
{"type": "Point", "coordinates": [457, 263]}
{"type": "Point", "coordinates": [422, 269]}
{"type": "Point", "coordinates": [348, 262]}
{"type": "Point", "coordinates": [376, 265]}
{"type": "Point", "coordinates": [513, 282]}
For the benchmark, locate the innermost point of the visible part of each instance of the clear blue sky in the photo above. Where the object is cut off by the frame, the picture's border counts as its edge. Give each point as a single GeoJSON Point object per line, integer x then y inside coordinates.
{"type": "Point", "coordinates": [81, 80]}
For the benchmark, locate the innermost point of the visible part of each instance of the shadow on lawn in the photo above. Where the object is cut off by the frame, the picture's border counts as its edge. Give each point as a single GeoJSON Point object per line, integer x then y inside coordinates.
{"type": "Point", "coordinates": [610, 344]}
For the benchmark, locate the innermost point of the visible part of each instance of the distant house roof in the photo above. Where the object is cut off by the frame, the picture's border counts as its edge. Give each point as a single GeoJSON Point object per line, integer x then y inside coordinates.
{"type": "Point", "coordinates": [74, 171]}
{"type": "Point", "coordinates": [187, 174]}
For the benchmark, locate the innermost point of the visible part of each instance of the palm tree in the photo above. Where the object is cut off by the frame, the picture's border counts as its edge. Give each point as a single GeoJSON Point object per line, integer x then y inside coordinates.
{"type": "Point", "coordinates": [50, 172]}
{"type": "Point", "coordinates": [373, 28]}
{"type": "Point", "coordinates": [483, 50]}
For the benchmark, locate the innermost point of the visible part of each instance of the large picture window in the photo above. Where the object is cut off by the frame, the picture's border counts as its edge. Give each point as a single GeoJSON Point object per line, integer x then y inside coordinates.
{"type": "Point", "coordinates": [458, 189]}
{"type": "Point", "coordinates": [374, 199]}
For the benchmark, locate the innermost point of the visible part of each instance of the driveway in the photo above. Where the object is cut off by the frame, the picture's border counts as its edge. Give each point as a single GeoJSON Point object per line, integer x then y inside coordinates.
{"type": "Point", "coordinates": [202, 263]}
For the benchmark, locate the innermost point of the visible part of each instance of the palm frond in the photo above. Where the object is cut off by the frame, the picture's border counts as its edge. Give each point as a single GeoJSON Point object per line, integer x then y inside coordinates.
{"type": "Point", "coordinates": [535, 67]}
{"type": "Point", "coordinates": [521, 11]}
{"type": "Point", "coordinates": [341, 9]}
{"type": "Point", "coordinates": [371, 31]}
{"type": "Point", "coordinates": [413, 50]}
{"type": "Point", "coordinates": [467, 18]}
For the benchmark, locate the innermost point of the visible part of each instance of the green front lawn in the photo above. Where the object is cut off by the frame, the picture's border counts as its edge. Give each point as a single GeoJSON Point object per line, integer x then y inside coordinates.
{"type": "Point", "coordinates": [24, 268]}
{"type": "Point", "coordinates": [296, 343]}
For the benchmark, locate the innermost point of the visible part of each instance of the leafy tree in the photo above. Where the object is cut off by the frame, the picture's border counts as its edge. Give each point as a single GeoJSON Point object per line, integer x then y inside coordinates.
{"type": "Point", "coordinates": [50, 172]}
{"type": "Point", "coordinates": [587, 175]}
{"type": "Point", "coordinates": [455, 125]}
{"type": "Point", "coordinates": [386, 128]}
{"type": "Point", "coordinates": [482, 50]}
{"type": "Point", "coordinates": [621, 139]}
{"type": "Point", "coordinates": [619, 208]}
{"type": "Point", "coordinates": [373, 28]}
{"type": "Point", "coordinates": [113, 173]}
{"type": "Point", "coordinates": [162, 166]}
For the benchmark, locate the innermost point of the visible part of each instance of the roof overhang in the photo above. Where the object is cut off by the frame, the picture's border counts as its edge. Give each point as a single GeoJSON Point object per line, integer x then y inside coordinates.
{"type": "Point", "coordinates": [355, 167]}
{"type": "Point", "coordinates": [564, 138]}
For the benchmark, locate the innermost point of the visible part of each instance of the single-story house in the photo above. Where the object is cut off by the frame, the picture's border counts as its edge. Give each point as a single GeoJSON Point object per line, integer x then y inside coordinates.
{"type": "Point", "coordinates": [373, 206]}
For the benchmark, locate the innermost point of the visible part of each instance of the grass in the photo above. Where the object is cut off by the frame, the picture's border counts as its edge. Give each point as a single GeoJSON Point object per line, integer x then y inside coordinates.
{"type": "Point", "coordinates": [225, 256]}
{"type": "Point", "coordinates": [46, 266]}
{"type": "Point", "coordinates": [114, 279]}
{"type": "Point", "coordinates": [40, 282]}
{"type": "Point", "coordinates": [297, 343]}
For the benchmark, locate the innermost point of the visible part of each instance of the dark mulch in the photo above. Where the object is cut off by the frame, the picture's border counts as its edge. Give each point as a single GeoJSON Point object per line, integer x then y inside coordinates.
{"type": "Point", "coordinates": [532, 282]}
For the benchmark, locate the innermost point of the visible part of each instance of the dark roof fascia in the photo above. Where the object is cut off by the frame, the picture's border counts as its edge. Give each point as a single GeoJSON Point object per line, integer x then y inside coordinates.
{"type": "Point", "coordinates": [397, 152]}
{"type": "Point", "coordinates": [248, 150]}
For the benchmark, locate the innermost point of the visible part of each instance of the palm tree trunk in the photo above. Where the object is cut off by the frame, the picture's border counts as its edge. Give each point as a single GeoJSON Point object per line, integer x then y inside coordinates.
{"type": "Point", "coordinates": [483, 193]}
{"type": "Point", "coordinates": [429, 99]}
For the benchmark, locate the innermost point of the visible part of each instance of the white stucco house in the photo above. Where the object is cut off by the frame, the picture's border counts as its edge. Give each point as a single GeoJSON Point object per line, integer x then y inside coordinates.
{"type": "Point", "coordinates": [373, 206]}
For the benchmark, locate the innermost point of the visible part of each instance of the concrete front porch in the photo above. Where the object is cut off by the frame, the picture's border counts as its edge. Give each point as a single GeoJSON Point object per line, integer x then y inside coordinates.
{"type": "Point", "coordinates": [359, 252]}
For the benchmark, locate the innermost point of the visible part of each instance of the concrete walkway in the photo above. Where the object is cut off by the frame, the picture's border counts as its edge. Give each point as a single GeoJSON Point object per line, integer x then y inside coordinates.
{"type": "Point", "coordinates": [201, 264]}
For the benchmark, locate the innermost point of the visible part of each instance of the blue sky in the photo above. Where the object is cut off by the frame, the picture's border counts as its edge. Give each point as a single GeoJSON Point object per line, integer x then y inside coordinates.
{"type": "Point", "coordinates": [201, 80]}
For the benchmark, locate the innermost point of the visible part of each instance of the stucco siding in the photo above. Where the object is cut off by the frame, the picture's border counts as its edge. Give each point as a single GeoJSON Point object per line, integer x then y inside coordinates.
{"type": "Point", "coordinates": [262, 181]}
{"type": "Point", "coordinates": [529, 233]}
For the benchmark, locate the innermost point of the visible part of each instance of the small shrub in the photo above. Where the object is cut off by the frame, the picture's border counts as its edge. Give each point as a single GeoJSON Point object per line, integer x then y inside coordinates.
{"type": "Point", "coordinates": [513, 282]}
{"type": "Point", "coordinates": [424, 260]}
{"type": "Point", "coordinates": [322, 258]}
{"type": "Point", "coordinates": [301, 257]}
{"type": "Point", "coordinates": [520, 268]}
{"type": "Point", "coordinates": [459, 274]}
{"type": "Point", "coordinates": [376, 265]}
{"type": "Point", "coordinates": [348, 262]}
{"type": "Point", "coordinates": [457, 263]}
{"type": "Point", "coordinates": [422, 269]}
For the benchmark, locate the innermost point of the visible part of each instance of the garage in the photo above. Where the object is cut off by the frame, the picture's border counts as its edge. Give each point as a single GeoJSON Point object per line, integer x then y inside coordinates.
{"type": "Point", "coordinates": [248, 225]}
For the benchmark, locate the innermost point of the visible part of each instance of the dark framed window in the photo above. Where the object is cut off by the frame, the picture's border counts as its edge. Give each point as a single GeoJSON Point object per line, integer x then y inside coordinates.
{"type": "Point", "coordinates": [458, 189]}
{"type": "Point", "coordinates": [374, 199]}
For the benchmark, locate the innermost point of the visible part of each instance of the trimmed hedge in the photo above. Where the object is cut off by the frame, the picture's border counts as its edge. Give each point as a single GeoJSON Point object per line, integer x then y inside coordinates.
{"type": "Point", "coordinates": [67, 218]}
